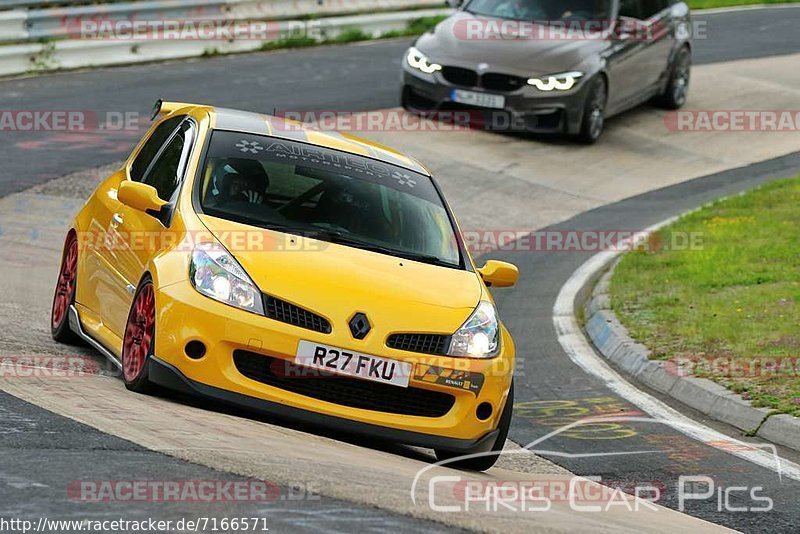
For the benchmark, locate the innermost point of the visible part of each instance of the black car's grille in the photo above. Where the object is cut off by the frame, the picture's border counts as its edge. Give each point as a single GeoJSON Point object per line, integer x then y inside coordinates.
{"type": "Point", "coordinates": [491, 81]}
{"type": "Point", "coordinates": [425, 343]}
{"type": "Point", "coordinates": [345, 391]}
{"type": "Point", "coordinates": [501, 82]}
{"type": "Point", "coordinates": [285, 312]}
{"type": "Point", "coordinates": [459, 76]}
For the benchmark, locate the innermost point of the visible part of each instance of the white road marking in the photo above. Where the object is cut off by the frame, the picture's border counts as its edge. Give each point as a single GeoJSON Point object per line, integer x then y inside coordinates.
{"type": "Point", "coordinates": [582, 353]}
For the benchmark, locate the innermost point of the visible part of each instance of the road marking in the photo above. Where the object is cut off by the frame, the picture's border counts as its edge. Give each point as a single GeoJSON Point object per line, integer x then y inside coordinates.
{"type": "Point", "coordinates": [581, 352]}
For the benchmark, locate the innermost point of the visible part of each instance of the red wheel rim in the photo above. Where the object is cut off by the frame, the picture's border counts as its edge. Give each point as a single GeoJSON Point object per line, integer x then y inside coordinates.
{"type": "Point", "coordinates": [139, 333]}
{"type": "Point", "coordinates": [66, 282]}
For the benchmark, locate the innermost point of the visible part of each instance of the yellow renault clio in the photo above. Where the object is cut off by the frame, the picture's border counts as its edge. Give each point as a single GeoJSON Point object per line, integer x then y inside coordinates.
{"type": "Point", "coordinates": [314, 276]}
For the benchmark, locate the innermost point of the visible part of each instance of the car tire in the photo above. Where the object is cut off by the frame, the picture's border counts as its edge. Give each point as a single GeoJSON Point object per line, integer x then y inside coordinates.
{"type": "Point", "coordinates": [138, 342]}
{"type": "Point", "coordinates": [594, 109]}
{"type": "Point", "coordinates": [64, 294]}
{"type": "Point", "coordinates": [486, 460]}
{"type": "Point", "coordinates": [677, 89]}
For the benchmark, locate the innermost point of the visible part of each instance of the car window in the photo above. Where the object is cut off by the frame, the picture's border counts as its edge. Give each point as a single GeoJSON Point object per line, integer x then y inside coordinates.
{"type": "Point", "coordinates": [541, 10]}
{"type": "Point", "coordinates": [631, 9]}
{"type": "Point", "coordinates": [652, 7]}
{"type": "Point", "coordinates": [165, 174]}
{"type": "Point", "coordinates": [326, 194]}
{"type": "Point", "coordinates": [151, 147]}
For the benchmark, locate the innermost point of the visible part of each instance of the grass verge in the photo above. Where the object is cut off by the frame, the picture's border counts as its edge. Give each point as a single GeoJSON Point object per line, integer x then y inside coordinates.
{"type": "Point", "coordinates": [729, 306]}
{"type": "Point", "coordinates": [413, 27]}
{"type": "Point", "coordinates": [707, 4]}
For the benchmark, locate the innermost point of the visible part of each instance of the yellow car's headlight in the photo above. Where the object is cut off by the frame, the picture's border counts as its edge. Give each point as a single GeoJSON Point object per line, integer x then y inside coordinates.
{"type": "Point", "coordinates": [479, 336]}
{"type": "Point", "coordinates": [217, 275]}
{"type": "Point", "coordinates": [556, 82]}
{"type": "Point", "coordinates": [420, 61]}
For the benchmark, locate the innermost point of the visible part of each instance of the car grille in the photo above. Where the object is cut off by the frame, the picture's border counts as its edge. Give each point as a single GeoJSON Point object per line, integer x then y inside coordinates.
{"type": "Point", "coordinates": [501, 82]}
{"type": "Point", "coordinates": [425, 343]}
{"type": "Point", "coordinates": [285, 312]}
{"type": "Point", "coordinates": [345, 391]}
{"type": "Point", "coordinates": [492, 81]}
{"type": "Point", "coordinates": [459, 76]}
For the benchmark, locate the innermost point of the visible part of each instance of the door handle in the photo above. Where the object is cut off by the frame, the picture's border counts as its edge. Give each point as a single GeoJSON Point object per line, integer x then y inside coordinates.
{"type": "Point", "coordinates": [117, 218]}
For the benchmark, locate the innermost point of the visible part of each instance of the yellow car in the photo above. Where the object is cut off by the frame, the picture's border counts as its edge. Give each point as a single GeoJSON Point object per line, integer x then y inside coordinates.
{"type": "Point", "coordinates": [314, 276]}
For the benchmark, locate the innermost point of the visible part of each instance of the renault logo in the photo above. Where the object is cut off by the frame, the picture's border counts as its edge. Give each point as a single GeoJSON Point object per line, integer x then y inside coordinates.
{"type": "Point", "coordinates": [359, 326]}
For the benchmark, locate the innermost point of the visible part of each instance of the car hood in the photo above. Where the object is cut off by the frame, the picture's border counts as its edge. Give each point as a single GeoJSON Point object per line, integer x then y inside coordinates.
{"type": "Point", "coordinates": [449, 44]}
{"type": "Point", "coordinates": [337, 281]}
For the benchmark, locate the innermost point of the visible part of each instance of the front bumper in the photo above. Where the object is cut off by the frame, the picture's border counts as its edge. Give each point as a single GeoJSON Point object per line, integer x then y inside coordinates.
{"type": "Point", "coordinates": [225, 330]}
{"type": "Point", "coordinates": [525, 109]}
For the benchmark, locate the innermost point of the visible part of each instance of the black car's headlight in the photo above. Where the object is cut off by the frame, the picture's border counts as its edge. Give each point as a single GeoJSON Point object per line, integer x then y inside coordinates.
{"type": "Point", "coordinates": [479, 336]}
{"type": "Point", "coordinates": [420, 61]}
{"type": "Point", "coordinates": [217, 275]}
{"type": "Point", "coordinates": [556, 82]}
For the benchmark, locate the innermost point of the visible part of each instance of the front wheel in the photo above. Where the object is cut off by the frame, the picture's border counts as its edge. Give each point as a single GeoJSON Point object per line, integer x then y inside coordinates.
{"type": "Point", "coordinates": [64, 296]}
{"type": "Point", "coordinates": [488, 459]}
{"type": "Point", "coordinates": [594, 112]}
{"type": "Point", "coordinates": [139, 340]}
{"type": "Point", "coordinates": [677, 89]}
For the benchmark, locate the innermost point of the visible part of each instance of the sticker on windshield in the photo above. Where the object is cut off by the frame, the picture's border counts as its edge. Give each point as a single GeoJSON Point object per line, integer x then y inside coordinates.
{"type": "Point", "coordinates": [253, 147]}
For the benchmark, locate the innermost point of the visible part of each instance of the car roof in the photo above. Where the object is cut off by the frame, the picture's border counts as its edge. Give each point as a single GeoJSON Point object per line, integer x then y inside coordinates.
{"type": "Point", "coordinates": [260, 124]}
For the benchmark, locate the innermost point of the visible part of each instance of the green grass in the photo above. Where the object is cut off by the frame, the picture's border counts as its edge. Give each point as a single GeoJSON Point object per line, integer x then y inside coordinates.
{"type": "Point", "coordinates": [705, 4]}
{"type": "Point", "coordinates": [736, 298]}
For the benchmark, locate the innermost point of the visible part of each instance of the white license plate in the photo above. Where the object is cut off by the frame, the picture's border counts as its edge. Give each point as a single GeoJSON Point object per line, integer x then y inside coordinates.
{"type": "Point", "coordinates": [350, 363]}
{"type": "Point", "coordinates": [483, 100]}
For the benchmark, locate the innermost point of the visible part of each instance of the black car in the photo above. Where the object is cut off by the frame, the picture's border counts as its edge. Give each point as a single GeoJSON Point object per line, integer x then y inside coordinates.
{"type": "Point", "coordinates": [551, 66]}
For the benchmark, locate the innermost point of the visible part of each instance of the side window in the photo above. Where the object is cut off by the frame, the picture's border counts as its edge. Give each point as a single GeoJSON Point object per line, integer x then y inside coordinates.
{"type": "Point", "coordinates": [165, 174]}
{"type": "Point", "coordinates": [652, 7]}
{"type": "Point", "coordinates": [631, 9]}
{"type": "Point", "coordinates": [151, 147]}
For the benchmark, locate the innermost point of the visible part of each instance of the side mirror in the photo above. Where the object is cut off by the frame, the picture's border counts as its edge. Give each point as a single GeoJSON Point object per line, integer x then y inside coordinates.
{"type": "Point", "coordinates": [140, 197]}
{"type": "Point", "coordinates": [499, 273]}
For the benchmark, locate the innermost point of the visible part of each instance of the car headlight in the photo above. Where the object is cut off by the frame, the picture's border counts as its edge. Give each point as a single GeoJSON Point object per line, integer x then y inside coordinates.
{"type": "Point", "coordinates": [556, 82]}
{"type": "Point", "coordinates": [216, 274]}
{"type": "Point", "coordinates": [479, 336]}
{"type": "Point", "coordinates": [419, 61]}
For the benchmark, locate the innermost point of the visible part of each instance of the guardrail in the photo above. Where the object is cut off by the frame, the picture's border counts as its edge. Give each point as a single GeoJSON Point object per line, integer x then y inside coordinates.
{"type": "Point", "coordinates": [19, 28]}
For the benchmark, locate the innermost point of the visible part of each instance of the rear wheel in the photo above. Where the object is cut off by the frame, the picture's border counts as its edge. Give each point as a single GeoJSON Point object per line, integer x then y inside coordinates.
{"type": "Point", "coordinates": [594, 112]}
{"type": "Point", "coordinates": [139, 340]}
{"type": "Point", "coordinates": [677, 90]}
{"type": "Point", "coordinates": [64, 296]}
{"type": "Point", "coordinates": [486, 460]}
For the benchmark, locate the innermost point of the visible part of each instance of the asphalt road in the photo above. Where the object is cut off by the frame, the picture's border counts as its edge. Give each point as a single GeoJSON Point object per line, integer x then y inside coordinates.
{"type": "Point", "coordinates": [550, 388]}
{"type": "Point", "coordinates": [552, 391]}
{"type": "Point", "coordinates": [358, 77]}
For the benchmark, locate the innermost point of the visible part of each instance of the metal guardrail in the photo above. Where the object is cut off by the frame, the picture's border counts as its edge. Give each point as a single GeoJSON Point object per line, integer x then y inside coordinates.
{"type": "Point", "coordinates": [79, 53]}
{"type": "Point", "coordinates": [65, 22]}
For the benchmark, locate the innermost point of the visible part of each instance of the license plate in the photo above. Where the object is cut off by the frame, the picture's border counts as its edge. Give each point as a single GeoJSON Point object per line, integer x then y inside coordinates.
{"type": "Point", "coordinates": [350, 363]}
{"type": "Point", "coordinates": [484, 100]}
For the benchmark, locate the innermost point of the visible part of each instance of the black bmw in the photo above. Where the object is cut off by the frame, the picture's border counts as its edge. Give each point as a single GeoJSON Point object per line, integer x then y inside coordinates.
{"type": "Point", "coordinates": [552, 66]}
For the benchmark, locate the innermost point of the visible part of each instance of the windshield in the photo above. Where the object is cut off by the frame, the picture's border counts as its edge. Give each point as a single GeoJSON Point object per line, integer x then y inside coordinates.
{"type": "Point", "coordinates": [542, 10]}
{"type": "Point", "coordinates": [326, 194]}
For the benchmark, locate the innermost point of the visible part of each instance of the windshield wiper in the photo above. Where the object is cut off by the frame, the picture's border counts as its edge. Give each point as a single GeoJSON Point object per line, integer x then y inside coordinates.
{"type": "Point", "coordinates": [343, 239]}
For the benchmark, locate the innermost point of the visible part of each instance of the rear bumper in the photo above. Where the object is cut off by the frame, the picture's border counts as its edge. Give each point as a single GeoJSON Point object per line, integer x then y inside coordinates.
{"type": "Point", "coordinates": [170, 377]}
{"type": "Point", "coordinates": [524, 113]}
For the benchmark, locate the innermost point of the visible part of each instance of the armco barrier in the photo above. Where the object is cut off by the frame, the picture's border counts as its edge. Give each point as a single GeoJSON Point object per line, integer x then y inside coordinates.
{"type": "Point", "coordinates": [74, 53]}
{"type": "Point", "coordinates": [13, 25]}
{"type": "Point", "coordinates": [62, 22]}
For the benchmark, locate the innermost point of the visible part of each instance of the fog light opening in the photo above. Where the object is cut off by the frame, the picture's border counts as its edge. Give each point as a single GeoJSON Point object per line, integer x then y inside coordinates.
{"type": "Point", "coordinates": [195, 350]}
{"type": "Point", "coordinates": [484, 411]}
